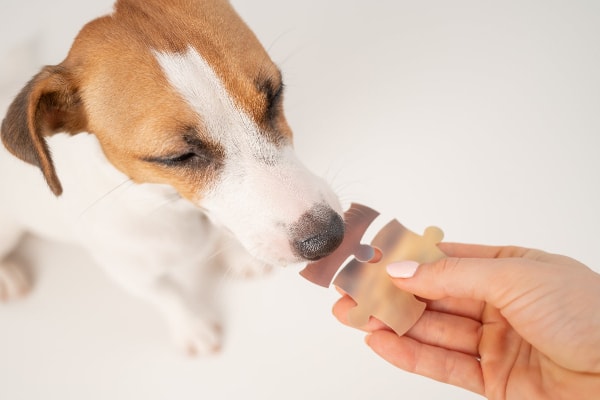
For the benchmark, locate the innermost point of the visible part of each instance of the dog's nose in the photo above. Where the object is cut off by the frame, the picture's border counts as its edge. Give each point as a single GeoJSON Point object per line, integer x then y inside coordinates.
{"type": "Point", "coordinates": [317, 233]}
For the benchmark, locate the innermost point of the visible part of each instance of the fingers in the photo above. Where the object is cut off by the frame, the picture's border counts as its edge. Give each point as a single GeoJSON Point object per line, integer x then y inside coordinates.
{"type": "Point", "coordinates": [443, 365]}
{"type": "Point", "coordinates": [490, 280]}
{"type": "Point", "coordinates": [433, 328]}
{"type": "Point", "coordinates": [481, 251]}
{"type": "Point", "coordinates": [489, 252]}
{"type": "Point", "coordinates": [447, 331]}
{"type": "Point", "coordinates": [461, 307]}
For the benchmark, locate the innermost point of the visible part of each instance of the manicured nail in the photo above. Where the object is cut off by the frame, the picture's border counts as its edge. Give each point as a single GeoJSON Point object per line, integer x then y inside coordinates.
{"type": "Point", "coordinates": [403, 269]}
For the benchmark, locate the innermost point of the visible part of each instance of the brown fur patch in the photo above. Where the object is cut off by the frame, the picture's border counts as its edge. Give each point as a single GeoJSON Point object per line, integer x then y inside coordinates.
{"type": "Point", "coordinates": [49, 103]}
{"type": "Point", "coordinates": [127, 102]}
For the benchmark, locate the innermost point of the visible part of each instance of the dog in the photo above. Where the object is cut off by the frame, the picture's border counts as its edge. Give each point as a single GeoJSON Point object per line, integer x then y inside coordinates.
{"type": "Point", "coordinates": [163, 145]}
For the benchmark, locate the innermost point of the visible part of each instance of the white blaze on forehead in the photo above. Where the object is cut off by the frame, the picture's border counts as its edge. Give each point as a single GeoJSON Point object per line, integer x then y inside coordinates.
{"type": "Point", "coordinates": [262, 188]}
{"type": "Point", "coordinates": [224, 122]}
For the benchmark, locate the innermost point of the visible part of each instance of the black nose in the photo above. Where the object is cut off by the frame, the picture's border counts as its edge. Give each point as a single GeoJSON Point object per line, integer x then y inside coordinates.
{"type": "Point", "coordinates": [317, 233]}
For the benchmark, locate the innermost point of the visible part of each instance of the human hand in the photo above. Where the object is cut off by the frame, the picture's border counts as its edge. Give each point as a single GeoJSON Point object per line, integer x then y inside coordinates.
{"type": "Point", "coordinates": [504, 322]}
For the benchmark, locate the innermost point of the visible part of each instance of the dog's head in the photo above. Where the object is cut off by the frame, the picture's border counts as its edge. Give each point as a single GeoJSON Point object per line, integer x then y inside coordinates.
{"type": "Point", "coordinates": [180, 92]}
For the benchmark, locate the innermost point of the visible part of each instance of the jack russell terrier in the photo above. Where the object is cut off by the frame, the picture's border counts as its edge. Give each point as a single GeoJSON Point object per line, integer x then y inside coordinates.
{"type": "Point", "coordinates": [163, 142]}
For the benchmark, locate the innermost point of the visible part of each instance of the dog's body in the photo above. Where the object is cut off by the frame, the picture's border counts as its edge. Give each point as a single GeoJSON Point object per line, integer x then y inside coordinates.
{"type": "Point", "coordinates": [162, 133]}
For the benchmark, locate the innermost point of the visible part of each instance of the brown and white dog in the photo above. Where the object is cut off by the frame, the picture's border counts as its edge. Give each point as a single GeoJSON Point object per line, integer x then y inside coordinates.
{"type": "Point", "coordinates": [163, 113]}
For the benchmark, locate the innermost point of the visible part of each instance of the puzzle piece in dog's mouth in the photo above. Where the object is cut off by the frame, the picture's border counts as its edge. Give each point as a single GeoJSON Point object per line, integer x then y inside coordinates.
{"type": "Point", "coordinates": [364, 278]}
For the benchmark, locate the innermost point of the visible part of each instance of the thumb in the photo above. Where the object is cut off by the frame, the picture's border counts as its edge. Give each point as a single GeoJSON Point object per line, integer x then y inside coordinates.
{"type": "Point", "coordinates": [482, 279]}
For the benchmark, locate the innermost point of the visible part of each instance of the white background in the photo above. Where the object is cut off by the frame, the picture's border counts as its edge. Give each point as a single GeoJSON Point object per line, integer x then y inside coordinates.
{"type": "Point", "coordinates": [481, 117]}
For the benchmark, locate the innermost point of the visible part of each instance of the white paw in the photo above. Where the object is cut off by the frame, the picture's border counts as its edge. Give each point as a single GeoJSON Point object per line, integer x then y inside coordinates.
{"type": "Point", "coordinates": [14, 282]}
{"type": "Point", "coordinates": [238, 263]}
{"type": "Point", "coordinates": [248, 268]}
{"type": "Point", "coordinates": [196, 336]}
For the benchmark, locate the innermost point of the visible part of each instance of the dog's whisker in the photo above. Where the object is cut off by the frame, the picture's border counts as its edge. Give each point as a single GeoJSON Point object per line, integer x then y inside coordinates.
{"type": "Point", "coordinates": [342, 190]}
{"type": "Point", "coordinates": [106, 195]}
{"type": "Point", "coordinates": [170, 200]}
{"type": "Point", "coordinates": [278, 38]}
{"type": "Point", "coordinates": [335, 175]}
{"type": "Point", "coordinates": [291, 55]}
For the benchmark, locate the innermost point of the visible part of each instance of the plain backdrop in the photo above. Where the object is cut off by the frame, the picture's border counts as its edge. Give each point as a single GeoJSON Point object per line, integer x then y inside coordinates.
{"type": "Point", "coordinates": [481, 117]}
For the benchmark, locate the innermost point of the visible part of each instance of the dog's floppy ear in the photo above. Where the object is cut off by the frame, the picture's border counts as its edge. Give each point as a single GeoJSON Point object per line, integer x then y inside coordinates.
{"type": "Point", "coordinates": [48, 104]}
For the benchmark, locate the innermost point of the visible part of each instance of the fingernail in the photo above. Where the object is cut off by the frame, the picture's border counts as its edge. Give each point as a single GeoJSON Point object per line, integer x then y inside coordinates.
{"type": "Point", "coordinates": [403, 269]}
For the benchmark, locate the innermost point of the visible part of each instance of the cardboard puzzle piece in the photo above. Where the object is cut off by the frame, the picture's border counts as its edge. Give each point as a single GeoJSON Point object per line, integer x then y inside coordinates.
{"type": "Point", "coordinates": [357, 220]}
{"type": "Point", "coordinates": [365, 279]}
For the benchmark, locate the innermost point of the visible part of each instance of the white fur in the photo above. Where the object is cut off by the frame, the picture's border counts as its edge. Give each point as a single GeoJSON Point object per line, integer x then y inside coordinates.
{"type": "Point", "coordinates": [263, 188]}
{"type": "Point", "coordinates": [224, 122]}
{"type": "Point", "coordinates": [140, 234]}
{"type": "Point", "coordinates": [144, 236]}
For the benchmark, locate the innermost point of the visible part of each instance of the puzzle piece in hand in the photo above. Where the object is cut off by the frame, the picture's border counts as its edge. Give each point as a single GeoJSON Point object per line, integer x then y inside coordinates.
{"type": "Point", "coordinates": [365, 279]}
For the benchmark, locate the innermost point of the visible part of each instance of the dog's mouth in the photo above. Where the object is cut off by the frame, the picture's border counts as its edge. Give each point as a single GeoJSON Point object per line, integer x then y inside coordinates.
{"type": "Point", "coordinates": [317, 233]}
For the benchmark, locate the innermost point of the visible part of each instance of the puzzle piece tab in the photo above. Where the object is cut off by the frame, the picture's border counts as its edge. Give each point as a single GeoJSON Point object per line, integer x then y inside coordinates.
{"type": "Point", "coordinates": [366, 280]}
{"type": "Point", "coordinates": [357, 220]}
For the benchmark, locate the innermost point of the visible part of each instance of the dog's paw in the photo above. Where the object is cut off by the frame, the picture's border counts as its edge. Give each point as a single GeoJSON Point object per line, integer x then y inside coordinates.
{"type": "Point", "coordinates": [196, 336]}
{"type": "Point", "coordinates": [14, 282]}
{"type": "Point", "coordinates": [248, 268]}
{"type": "Point", "coordinates": [238, 263]}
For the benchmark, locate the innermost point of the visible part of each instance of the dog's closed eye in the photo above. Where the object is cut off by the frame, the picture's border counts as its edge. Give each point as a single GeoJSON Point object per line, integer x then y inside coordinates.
{"type": "Point", "coordinates": [176, 161]}
{"type": "Point", "coordinates": [196, 154]}
{"type": "Point", "coordinates": [272, 88]}
{"type": "Point", "coordinates": [274, 96]}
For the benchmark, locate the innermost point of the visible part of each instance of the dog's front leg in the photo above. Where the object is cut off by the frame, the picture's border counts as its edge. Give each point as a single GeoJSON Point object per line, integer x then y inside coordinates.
{"type": "Point", "coordinates": [192, 326]}
{"type": "Point", "coordinates": [165, 267]}
{"type": "Point", "coordinates": [191, 323]}
{"type": "Point", "coordinates": [14, 282]}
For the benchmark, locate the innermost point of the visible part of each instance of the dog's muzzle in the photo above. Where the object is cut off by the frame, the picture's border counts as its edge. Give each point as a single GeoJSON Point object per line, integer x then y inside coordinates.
{"type": "Point", "coordinates": [317, 233]}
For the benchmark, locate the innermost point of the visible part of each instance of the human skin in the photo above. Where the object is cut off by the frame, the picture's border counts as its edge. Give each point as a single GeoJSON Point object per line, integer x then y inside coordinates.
{"type": "Point", "coordinates": [504, 322]}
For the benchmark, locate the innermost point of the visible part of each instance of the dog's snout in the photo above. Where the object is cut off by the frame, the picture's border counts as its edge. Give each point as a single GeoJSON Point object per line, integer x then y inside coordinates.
{"type": "Point", "coordinates": [317, 233]}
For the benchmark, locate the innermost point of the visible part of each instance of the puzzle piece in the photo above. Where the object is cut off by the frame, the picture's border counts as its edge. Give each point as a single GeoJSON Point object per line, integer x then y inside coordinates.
{"type": "Point", "coordinates": [365, 279]}
{"type": "Point", "coordinates": [357, 220]}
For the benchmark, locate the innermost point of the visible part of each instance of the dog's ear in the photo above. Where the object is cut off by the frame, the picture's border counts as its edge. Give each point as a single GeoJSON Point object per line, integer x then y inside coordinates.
{"type": "Point", "coordinates": [48, 104]}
